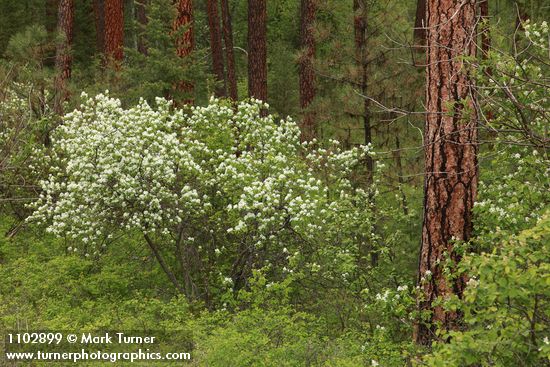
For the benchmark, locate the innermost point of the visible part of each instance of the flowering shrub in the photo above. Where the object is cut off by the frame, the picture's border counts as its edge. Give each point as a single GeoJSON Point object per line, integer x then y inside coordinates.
{"type": "Point", "coordinates": [214, 185]}
{"type": "Point", "coordinates": [24, 120]}
{"type": "Point", "coordinates": [515, 89]}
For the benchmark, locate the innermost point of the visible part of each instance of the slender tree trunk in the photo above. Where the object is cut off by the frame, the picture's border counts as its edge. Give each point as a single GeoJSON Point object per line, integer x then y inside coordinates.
{"type": "Point", "coordinates": [361, 59]}
{"type": "Point", "coordinates": [450, 158]}
{"type": "Point", "coordinates": [63, 58]}
{"type": "Point", "coordinates": [257, 49]}
{"type": "Point", "coordinates": [360, 25]}
{"type": "Point", "coordinates": [141, 17]}
{"type": "Point", "coordinates": [114, 30]}
{"type": "Point", "coordinates": [229, 52]}
{"type": "Point", "coordinates": [306, 71]}
{"type": "Point", "coordinates": [163, 265]}
{"type": "Point", "coordinates": [99, 12]}
{"type": "Point", "coordinates": [399, 166]}
{"type": "Point", "coordinates": [420, 23]}
{"type": "Point", "coordinates": [216, 47]}
{"type": "Point", "coordinates": [186, 42]}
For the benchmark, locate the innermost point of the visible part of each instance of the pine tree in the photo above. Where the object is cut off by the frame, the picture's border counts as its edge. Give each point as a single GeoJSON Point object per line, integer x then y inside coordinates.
{"type": "Point", "coordinates": [185, 43]}
{"type": "Point", "coordinates": [63, 58]}
{"type": "Point", "coordinates": [257, 49]}
{"type": "Point", "coordinates": [114, 30]}
{"type": "Point", "coordinates": [450, 159]}
{"type": "Point", "coordinates": [216, 47]}
{"type": "Point", "coordinates": [306, 71]}
{"type": "Point", "coordinates": [229, 53]}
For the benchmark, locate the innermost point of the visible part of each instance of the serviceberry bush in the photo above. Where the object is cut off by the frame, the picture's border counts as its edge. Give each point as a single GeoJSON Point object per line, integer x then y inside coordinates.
{"type": "Point", "coordinates": [215, 187]}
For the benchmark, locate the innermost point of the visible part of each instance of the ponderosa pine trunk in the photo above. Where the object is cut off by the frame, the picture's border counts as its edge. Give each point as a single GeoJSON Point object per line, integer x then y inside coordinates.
{"type": "Point", "coordinates": [186, 42]}
{"type": "Point", "coordinates": [450, 159]}
{"type": "Point", "coordinates": [257, 49]}
{"type": "Point", "coordinates": [216, 47]}
{"type": "Point", "coordinates": [114, 30]}
{"type": "Point", "coordinates": [306, 70]}
{"type": "Point", "coordinates": [63, 57]}
{"type": "Point", "coordinates": [229, 52]}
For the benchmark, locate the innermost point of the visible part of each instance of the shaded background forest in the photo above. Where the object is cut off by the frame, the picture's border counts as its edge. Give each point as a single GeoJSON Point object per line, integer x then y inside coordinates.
{"type": "Point", "coordinates": [353, 71]}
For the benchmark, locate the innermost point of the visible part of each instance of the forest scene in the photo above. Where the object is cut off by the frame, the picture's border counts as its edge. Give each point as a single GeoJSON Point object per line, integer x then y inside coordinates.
{"type": "Point", "coordinates": [242, 183]}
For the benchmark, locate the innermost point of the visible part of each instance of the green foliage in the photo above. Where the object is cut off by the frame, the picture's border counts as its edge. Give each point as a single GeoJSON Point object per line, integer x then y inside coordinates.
{"type": "Point", "coordinates": [506, 305]}
{"type": "Point", "coordinates": [286, 253]}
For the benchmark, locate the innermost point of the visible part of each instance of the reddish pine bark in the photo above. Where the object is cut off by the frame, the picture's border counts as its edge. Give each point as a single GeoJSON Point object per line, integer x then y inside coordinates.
{"type": "Point", "coordinates": [257, 49]}
{"type": "Point", "coordinates": [184, 18]}
{"type": "Point", "coordinates": [114, 30]}
{"type": "Point", "coordinates": [216, 47]}
{"type": "Point", "coordinates": [420, 23]}
{"type": "Point", "coordinates": [186, 42]}
{"type": "Point", "coordinates": [63, 58]}
{"type": "Point", "coordinates": [450, 158]}
{"type": "Point", "coordinates": [229, 53]}
{"type": "Point", "coordinates": [306, 71]}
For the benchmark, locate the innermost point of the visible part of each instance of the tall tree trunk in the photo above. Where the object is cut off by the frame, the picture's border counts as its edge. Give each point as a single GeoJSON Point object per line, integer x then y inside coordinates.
{"type": "Point", "coordinates": [63, 58]}
{"type": "Point", "coordinates": [362, 62]}
{"type": "Point", "coordinates": [99, 12]}
{"type": "Point", "coordinates": [450, 158]}
{"type": "Point", "coordinates": [400, 181]}
{"type": "Point", "coordinates": [216, 47]}
{"type": "Point", "coordinates": [420, 23]}
{"type": "Point", "coordinates": [114, 30]}
{"type": "Point", "coordinates": [186, 42]}
{"type": "Point", "coordinates": [360, 25]}
{"type": "Point", "coordinates": [306, 71]}
{"type": "Point", "coordinates": [141, 17]}
{"type": "Point", "coordinates": [257, 49]}
{"type": "Point", "coordinates": [229, 52]}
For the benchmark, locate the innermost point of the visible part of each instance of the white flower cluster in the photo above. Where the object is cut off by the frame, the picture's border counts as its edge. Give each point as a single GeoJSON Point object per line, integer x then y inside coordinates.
{"type": "Point", "coordinates": [539, 34]}
{"type": "Point", "coordinates": [217, 171]}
